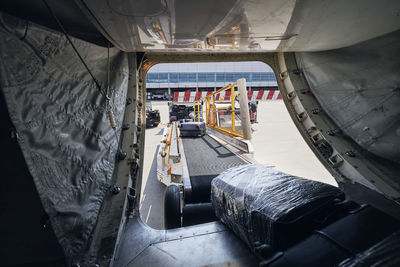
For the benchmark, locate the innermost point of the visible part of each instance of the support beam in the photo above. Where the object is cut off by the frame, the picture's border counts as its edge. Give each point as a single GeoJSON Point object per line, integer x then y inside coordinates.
{"type": "Point", "coordinates": [244, 109]}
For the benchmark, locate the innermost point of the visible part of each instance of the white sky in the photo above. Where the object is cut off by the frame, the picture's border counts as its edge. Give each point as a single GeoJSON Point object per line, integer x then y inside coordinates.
{"type": "Point", "coordinates": [246, 66]}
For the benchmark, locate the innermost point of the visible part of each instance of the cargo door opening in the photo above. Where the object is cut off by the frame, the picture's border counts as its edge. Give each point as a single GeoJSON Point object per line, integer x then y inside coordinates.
{"type": "Point", "coordinates": [275, 139]}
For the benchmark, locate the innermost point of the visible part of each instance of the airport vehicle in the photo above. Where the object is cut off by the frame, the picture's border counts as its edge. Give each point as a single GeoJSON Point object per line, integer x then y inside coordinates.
{"type": "Point", "coordinates": [179, 111]}
{"type": "Point", "coordinates": [152, 116]}
{"type": "Point", "coordinates": [73, 93]}
{"type": "Point", "coordinates": [159, 96]}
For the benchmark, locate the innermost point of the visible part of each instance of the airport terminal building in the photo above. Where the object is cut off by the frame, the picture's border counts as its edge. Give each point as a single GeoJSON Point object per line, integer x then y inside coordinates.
{"type": "Point", "coordinates": [164, 80]}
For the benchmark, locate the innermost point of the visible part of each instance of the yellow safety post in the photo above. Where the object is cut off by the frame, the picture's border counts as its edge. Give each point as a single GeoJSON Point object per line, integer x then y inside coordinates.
{"type": "Point", "coordinates": [233, 107]}
{"type": "Point", "coordinates": [198, 110]}
{"type": "Point", "coordinates": [214, 114]}
{"type": "Point", "coordinates": [206, 110]}
{"type": "Point", "coordinates": [209, 108]}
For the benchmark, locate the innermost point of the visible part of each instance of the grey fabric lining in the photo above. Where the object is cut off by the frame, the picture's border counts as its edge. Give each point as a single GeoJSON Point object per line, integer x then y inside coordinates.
{"type": "Point", "coordinates": [359, 88]}
{"type": "Point", "coordinates": [59, 115]}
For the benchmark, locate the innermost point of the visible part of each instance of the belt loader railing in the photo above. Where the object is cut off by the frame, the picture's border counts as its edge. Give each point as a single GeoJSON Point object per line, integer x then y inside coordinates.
{"type": "Point", "coordinates": [211, 110]}
{"type": "Point", "coordinates": [169, 161]}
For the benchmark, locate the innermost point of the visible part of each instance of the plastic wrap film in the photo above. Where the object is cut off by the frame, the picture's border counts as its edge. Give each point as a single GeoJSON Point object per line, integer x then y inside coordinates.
{"type": "Point", "coordinates": [384, 254]}
{"type": "Point", "coordinates": [253, 199]}
{"type": "Point", "coordinates": [359, 88]}
{"type": "Point", "coordinates": [61, 123]}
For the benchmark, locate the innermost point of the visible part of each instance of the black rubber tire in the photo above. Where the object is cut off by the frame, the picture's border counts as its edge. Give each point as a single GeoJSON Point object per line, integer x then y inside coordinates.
{"type": "Point", "coordinates": [172, 207]}
{"type": "Point", "coordinates": [193, 214]}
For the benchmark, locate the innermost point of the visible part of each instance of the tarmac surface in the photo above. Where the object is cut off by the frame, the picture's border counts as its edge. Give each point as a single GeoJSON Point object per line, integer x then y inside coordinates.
{"type": "Point", "coordinates": [276, 141]}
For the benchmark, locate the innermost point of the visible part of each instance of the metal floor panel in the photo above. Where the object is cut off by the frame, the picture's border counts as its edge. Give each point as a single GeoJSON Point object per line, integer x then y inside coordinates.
{"type": "Point", "coordinates": [208, 244]}
{"type": "Point", "coordinates": [206, 159]}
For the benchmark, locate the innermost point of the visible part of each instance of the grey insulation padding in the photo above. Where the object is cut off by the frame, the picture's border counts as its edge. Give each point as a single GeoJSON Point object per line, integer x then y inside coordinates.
{"type": "Point", "coordinates": [254, 201]}
{"type": "Point", "coordinates": [359, 88]}
{"type": "Point", "coordinates": [60, 120]}
{"type": "Point", "coordinates": [384, 254]}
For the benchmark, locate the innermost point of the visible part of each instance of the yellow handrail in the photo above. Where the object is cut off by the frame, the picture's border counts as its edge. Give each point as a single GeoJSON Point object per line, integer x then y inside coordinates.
{"type": "Point", "coordinates": [211, 109]}
{"type": "Point", "coordinates": [168, 150]}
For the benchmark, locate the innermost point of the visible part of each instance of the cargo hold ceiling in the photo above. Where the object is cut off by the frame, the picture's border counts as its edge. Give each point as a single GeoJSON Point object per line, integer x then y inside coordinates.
{"type": "Point", "coordinates": [215, 26]}
{"type": "Point", "coordinates": [73, 19]}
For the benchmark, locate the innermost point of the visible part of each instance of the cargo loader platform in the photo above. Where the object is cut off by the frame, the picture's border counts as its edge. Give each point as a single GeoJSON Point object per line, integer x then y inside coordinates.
{"type": "Point", "coordinates": [187, 199]}
{"type": "Point", "coordinates": [206, 158]}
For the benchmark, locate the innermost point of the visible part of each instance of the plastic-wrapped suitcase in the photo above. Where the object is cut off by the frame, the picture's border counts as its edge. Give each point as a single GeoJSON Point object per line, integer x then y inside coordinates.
{"type": "Point", "coordinates": [384, 253]}
{"type": "Point", "coordinates": [192, 129]}
{"type": "Point", "coordinates": [265, 206]}
{"type": "Point", "coordinates": [358, 239]}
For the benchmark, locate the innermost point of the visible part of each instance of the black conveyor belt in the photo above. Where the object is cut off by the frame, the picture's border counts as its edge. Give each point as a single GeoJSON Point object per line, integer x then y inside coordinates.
{"type": "Point", "coordinates": [206, 159]}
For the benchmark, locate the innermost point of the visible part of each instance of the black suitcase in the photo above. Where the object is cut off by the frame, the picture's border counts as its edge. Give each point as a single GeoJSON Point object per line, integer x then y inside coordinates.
{"type": "Point", "coordinates": [265, 206]}
{"type": "Point", "coordinates": [351, 240]}
{"type": "Point", "coordinates": [192, 129]}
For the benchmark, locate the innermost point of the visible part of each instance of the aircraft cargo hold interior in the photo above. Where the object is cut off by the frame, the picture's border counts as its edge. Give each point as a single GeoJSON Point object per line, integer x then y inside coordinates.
{"type": "Point", "coordinates": [83, 86]}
